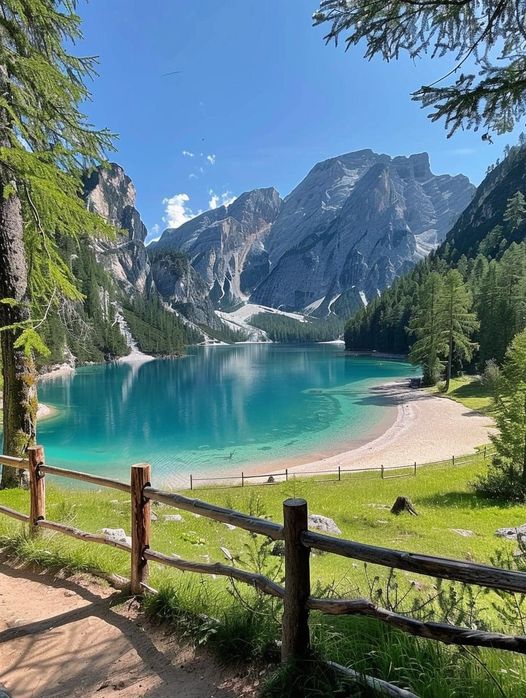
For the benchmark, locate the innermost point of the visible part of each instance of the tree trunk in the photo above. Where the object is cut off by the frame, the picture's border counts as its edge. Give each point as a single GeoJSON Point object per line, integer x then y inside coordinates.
{"type": "Point", "coordinates": [19, 374]}
{"type": "Point", "coordinates": [449, 363]}
{"type": "Point", "coordinates": [524, 449]}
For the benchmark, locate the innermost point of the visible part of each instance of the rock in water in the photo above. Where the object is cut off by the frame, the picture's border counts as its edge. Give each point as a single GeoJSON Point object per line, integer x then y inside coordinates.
{"type": "Point", "coordinates": [323, 523]}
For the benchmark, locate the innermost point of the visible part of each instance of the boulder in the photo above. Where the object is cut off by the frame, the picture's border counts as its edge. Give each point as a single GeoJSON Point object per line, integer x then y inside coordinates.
{"type": "Point", "coordinates": [117, 534]}
{"type": "Point", "coordinates": [323, 523]}
{"type": "Point", "coordinates": [464, 532]}
{"type": "Point", "coordinates": [173, 517]}
{"type": "Point", "coordinates": [153, 516]}
{"type": "Point", "coordinates": [511, 533]}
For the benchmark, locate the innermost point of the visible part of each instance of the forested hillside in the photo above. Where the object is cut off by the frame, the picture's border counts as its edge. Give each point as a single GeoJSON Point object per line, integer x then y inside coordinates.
{"type": "Point", "coordinates": [486, 247]}
{"type": "Point", "coordinates": [89, 330]}
{"type": "Point", "coordinates": [280, 328]}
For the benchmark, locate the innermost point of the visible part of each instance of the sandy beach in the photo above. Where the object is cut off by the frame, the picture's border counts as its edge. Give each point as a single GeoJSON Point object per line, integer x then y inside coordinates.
{"type": "Point", "coordinates": [426, 428]}
{"type": "Point", "coordinates": [57, 372]}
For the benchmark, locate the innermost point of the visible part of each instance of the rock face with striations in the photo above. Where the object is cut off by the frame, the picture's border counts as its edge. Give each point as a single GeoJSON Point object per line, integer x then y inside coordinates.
{"type": "Point", "coordinates": [353, 225]}
{"type": "Point", "coordinates": [226, 246]}
{"type": "Point", "coordinates": [111, 193]}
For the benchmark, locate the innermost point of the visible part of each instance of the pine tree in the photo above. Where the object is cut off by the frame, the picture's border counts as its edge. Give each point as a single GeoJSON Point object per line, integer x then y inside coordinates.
{"type": "Point", "coordinates": [491, 95]}
{"type": "Point", "coordinates": [425, 324]}
{"type": "Point", "coordinates": [45, 145]}
{"type": "Point", "coordinates": [456, 321]}
{"type": "Point", "coordinates": [506, 476]}
{"type": "Point", "coordinates": [515, 210]}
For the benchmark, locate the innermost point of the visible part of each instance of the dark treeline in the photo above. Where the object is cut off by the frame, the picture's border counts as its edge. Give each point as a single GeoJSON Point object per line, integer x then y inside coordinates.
{"type": "Point", "coordinates": [87, 328]}
{"type": "Point", "coordinates": [281, 328]}
{"type": "Point", "coordinates": [494, 272]}
{"type": "Point", "coordinates": [498, 290]}
{"type": "Point", "coordinates": [155, 329]}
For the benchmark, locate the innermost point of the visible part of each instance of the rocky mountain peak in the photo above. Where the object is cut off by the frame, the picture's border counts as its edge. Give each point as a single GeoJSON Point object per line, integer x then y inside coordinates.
{"type": "Point", "coordinates": [111, 193]}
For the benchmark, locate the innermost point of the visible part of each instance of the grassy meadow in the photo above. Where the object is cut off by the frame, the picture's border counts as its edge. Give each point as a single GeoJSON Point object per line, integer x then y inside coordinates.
{"type": "Point", "coordinates": [239, 623]}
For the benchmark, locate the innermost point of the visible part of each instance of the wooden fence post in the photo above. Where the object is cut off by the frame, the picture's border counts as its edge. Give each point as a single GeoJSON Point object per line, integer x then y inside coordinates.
{"type": "Point", "coordinates": [414, 466]}
{"type": "Point", "coordinates": [382, 472]}
{"type": "Point", "coordinates": [140, 525]}
{"type": "Point", "coordinates": [191, 482]}
{"type": "Point", "coordinates": [37, 488]}
{"type": "Point", "coordinates": [242, 479]}
{"type": "Point", "coordinates": [295, 643]}
{"type": "Point", "coordinates": [453, 459]}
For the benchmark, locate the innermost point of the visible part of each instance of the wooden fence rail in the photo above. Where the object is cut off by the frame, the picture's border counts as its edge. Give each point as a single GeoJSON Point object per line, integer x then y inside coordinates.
{"type": "Point", "coordinates": [296, 595]}
{"type": "Point", "coordinates": [323, 475]}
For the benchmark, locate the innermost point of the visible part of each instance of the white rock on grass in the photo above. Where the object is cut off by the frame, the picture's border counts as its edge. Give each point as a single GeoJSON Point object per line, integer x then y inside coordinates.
{"type": "Point", "coordinates": [173, 517]}
{"type": "Point", "coordinates": [117, 534]}
{"type": "Point", "coordinates": [323, 523]}
{"type": "Point", "coordinates": [511, 533]}
{"type": "Point", "coordinates": [464, 532]}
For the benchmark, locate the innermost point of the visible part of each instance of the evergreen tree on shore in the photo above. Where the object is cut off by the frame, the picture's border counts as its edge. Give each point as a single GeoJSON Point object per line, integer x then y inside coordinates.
{"type": "Point", "coordinates": [45, 146]}
{"type": "Point", "coordinates": [426, 325]}
{"type": "Point", "coordinates": [457, 322]}
{"type": "Point", "coordinates": [506, 477]}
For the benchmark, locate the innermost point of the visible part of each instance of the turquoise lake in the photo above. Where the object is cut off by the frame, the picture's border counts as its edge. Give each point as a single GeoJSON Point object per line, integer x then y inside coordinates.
{"type": "Point", "coordinates": [216, 409]}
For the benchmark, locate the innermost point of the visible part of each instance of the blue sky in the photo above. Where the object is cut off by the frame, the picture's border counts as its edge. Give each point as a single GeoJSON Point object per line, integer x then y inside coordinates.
{"type": "Point", "coordinates": [259, 100]}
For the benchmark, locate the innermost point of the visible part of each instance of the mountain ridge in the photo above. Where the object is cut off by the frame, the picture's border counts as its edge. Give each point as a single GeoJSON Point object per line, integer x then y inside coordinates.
{"type": "Point", "coordinates": [323, 249]}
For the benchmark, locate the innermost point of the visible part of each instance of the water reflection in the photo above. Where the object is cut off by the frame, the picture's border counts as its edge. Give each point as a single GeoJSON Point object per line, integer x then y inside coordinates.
{"type": "Point", "coordinates": [216, 405]}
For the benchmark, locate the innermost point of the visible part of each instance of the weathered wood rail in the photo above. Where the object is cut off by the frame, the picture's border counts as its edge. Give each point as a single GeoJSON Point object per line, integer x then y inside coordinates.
{"type": "Point", "coordinates": [296, 595]}
{"type": "Point", "coordinates": [325, 476]}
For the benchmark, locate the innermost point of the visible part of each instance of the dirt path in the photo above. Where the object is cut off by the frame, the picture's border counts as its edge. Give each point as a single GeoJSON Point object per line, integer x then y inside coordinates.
{"type": "Point", "coordinates": [63, 638]}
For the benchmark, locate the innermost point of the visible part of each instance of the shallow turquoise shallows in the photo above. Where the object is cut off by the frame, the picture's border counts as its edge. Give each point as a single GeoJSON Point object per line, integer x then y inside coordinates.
{"type": "Point", "coordinates": [217, 409]}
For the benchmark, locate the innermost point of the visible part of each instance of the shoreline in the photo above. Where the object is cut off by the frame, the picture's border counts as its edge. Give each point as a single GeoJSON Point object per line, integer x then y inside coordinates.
{"type": "Point", "coordinates": [425, 428]}
{"type": "Point", "coordinates": [57, 372]}
{"type": "Point", "coordinates": [45, 412]}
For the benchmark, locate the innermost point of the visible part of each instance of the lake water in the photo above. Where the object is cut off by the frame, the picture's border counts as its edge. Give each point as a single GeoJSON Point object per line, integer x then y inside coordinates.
{"type": "Point", "coordinates": [217, 409]}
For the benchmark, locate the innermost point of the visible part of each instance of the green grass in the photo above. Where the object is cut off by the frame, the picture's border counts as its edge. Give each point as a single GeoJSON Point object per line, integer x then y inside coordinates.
{"type": "Point", "coordinates": [470, 392]}
{"type": "Point", "coordinates": [210, 610]}
{"type": "Point", "coordinates": [359, 504]}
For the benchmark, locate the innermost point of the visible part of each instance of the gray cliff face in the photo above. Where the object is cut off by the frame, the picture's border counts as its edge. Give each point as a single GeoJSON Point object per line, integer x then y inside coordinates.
{"type": "Point", "coordinates": [352, 226]}
{"type": "Point", "coordinates": [111, 194]}
{"type": "Point", "coordinates": [183, 289]}
{"type": "Point", "coordinates": [226, 246]}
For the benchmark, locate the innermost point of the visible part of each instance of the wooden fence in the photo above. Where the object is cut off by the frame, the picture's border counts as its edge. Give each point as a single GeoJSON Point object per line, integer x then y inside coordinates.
{"type": "Point", "coordinates": [335, 475]}
{"type": "Point", "coordinates": [298, 540]}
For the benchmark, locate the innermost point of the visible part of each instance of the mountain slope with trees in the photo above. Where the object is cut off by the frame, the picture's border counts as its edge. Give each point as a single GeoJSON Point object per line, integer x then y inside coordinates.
{"type": "Point", "coordinates": [487, 249]}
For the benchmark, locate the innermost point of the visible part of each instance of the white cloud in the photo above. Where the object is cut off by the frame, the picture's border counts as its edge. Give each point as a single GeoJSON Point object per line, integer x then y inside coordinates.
{"type": "Point", "coordinates": [192, 175]}
{"type": "Point", "coordinates": [177, 211]}
{"type": "Point", "coordinates": [188, 154]}
{"type": "Point", "coordinates": [224, 199]}
{"type": "Point", "coordinates": [211, 159]}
